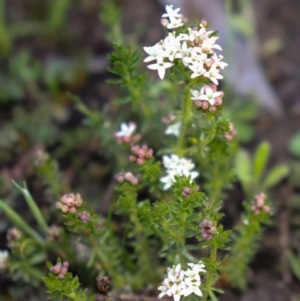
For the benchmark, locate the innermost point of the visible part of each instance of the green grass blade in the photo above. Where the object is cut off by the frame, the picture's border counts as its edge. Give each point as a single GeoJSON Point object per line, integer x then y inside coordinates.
{"type": "Point", "coordinates": [33, 207]}
{"type": "Point", "coordinates": [18, 221]}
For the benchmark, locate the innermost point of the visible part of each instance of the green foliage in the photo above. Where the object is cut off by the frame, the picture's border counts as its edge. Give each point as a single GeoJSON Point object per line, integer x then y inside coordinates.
{"type": "Point", "coordinates": [252, 175]}
{"type": "Point", "coordinates": [67, 288]}
{"type": "Point", "coordinates": [246, 241]}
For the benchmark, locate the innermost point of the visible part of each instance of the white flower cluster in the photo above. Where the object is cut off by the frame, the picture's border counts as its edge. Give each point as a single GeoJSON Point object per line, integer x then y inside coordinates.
{"type": "Point", "coordinates": [195, 49]}
{"type": "Point", "coordinates": [182, 283]}
{"type": "Point", "coordinates": [176, 166]}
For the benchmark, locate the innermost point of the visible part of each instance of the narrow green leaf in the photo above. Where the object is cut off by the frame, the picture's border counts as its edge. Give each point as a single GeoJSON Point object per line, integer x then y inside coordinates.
{"type": "Point", "coordinates": [276, 175]}
{"type": "Point", "coordinates": [294, 145]}
{"type": "Point", "coordinates": [243, 166]}
{"type": "Point", "coordinates": [295, 264]}
{"type": "Point", "coordinates": [33, 207]}
{"type": "Point", "coordinates": [212, 296]}
{"type": "Point", "coordinates": [20, 223]}
{"type": "Point", "coordinates": [261, 158]}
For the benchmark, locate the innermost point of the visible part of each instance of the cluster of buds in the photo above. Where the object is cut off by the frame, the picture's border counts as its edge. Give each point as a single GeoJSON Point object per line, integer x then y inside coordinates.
{"type": "Point", "coordinates": [125, 135]}
{"type": "Point", "coordinates": [128, 176]}
{"type": "Point", "coordinates": [231, 133]}
{"type": "Point", "coordinates": [69, 203]}
{"type": "Point", "coordinates": [54, 233]}
{"type": "Point", "coordinates": [207, 229]}
{"type": "Point", "coordinates": [60, 269]}
{"type": "Point", "coordinates": [140, 154]}
{"type": "Point", "coordinates": [84, 216]}
{"type": "Point", "coordinates": [258, 205]}
{"type": "Point", "coordinates": [186, 191]}
{"type": "Point", "coordinates": [13, 237]}
{"type": "Point", "coordinates": [207, 98]}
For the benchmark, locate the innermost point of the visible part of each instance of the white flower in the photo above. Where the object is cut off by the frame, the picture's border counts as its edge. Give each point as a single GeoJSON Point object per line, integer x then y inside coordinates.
{"type": "Point", "coordinates": [198, 69]}
{"type": "Point", "coordinates": [176, 166]}
{"type": "Point", "coordinates": [213, 74]}
{"type": "Point", "coordinates": [206, 93]}
{"type": "Point", "coordinates": [170, 47]}
{"type": "Point", "coordinates": [153, 52]}
{"type": "Point", "coordinates": [175, 274]}
{"type": "Point", "coordinates": [182, 283]}
{"type": "Point", "coordinates": [175, 23]}
{"type": "Point", "coordinates": [217, 61]}
{"type": "Point", "coordinates": [198, 267]}
{"type": "Point", "coordinates": [173, 129]}
{"type": "Point", "coordinates": [126, 129]}
{"type": "Point", "coordinates": [171, 13]}
{"type": "Point", "coordinates": [161, 67]}
{"type": "Point", "coordinates": [3, 258]}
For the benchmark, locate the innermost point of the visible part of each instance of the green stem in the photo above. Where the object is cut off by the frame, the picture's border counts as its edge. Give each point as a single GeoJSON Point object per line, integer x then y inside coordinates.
{"type": "Point", "coordinates": [186, 116]}
{"type": "Point", "coordinates": [104, 262]}
{"type": "Point", "coordinates": [210, 272]}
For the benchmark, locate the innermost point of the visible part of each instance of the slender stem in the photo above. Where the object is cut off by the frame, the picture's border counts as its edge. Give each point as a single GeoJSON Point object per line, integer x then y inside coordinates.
{"type": "Point", "coordinates": [210, 273]}
{"type": "Point", "coordinates": [105, 263]}
{"type": "Point", "coordinates": [186, 116]}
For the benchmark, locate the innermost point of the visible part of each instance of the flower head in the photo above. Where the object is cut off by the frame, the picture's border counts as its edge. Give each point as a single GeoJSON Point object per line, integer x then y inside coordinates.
{"type": "Point", "coordinates": [182, 282]}
{"type": "Point", "coordinates": [195, 48]}
{"type": "Point", "coordinates": [176, 166]}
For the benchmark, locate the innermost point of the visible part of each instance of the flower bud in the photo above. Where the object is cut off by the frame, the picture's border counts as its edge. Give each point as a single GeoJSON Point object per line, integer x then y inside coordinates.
{"type": "Point", "coordinates": [140, 161]}
{"type": "Point", "coordinates": [64, 208]}
{"type": "Point", "coordinates": [72, 210]}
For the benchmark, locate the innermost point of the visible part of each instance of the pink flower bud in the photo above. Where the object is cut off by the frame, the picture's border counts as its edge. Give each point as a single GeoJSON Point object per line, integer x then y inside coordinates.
{"type": "Point", "coordinates": [134, 181]}
{"type": "Point", "coordinates": [204, 23]}
{"type": "Point", "coordinates": [218, 101]}
{"type": "Point", "coordinates": [140, 161]}
{"type": "Point", "coordinates": [128, 176]}
{"type": "Point", "coordinates": [141, 152]}
{"type": "Point", "coordinates": [126, 139]}
{"type": "Point", "coordinates": [72, 210]}
{"type": "Point", "coordinates": [56, 268]}
{"type": "Point", "coordinates": [213, 230]}
{"type": "Point", "coordinates": [64, 208]}
{"type": "Point", "coordinates": [64, 270]}
{"type": "Point", "coordinates": [212, 109]}
{"type": "Point", "coordinates": [213, 87]}
{"type": "Point", "coordinates": [65, 264]}
{"type": "Point", "coordinates": [198, 103]}
{"type": "Point", "coordinates": [149, 153]}
{"type": "Point", "coordinates": [259, 202]}
{"type": "Point", "coordinates": [132, 158]}
{"type": "Point", "coordinates": [266, 208]}
{"type": "Point", "coordinates": [135, 149]}
{"type": "Point", "coordinates": [120, 178]}
{"type": "Point", "coordinates": [205, 105]}
{"type": "Point", "coordinates": [61, 276]}
{"type": "Point", "coordinates": [78, 200]}
{"type": "Point", "coordinates": [58, 205]}
{"type": "Point", "coordinates": [164, 22]}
